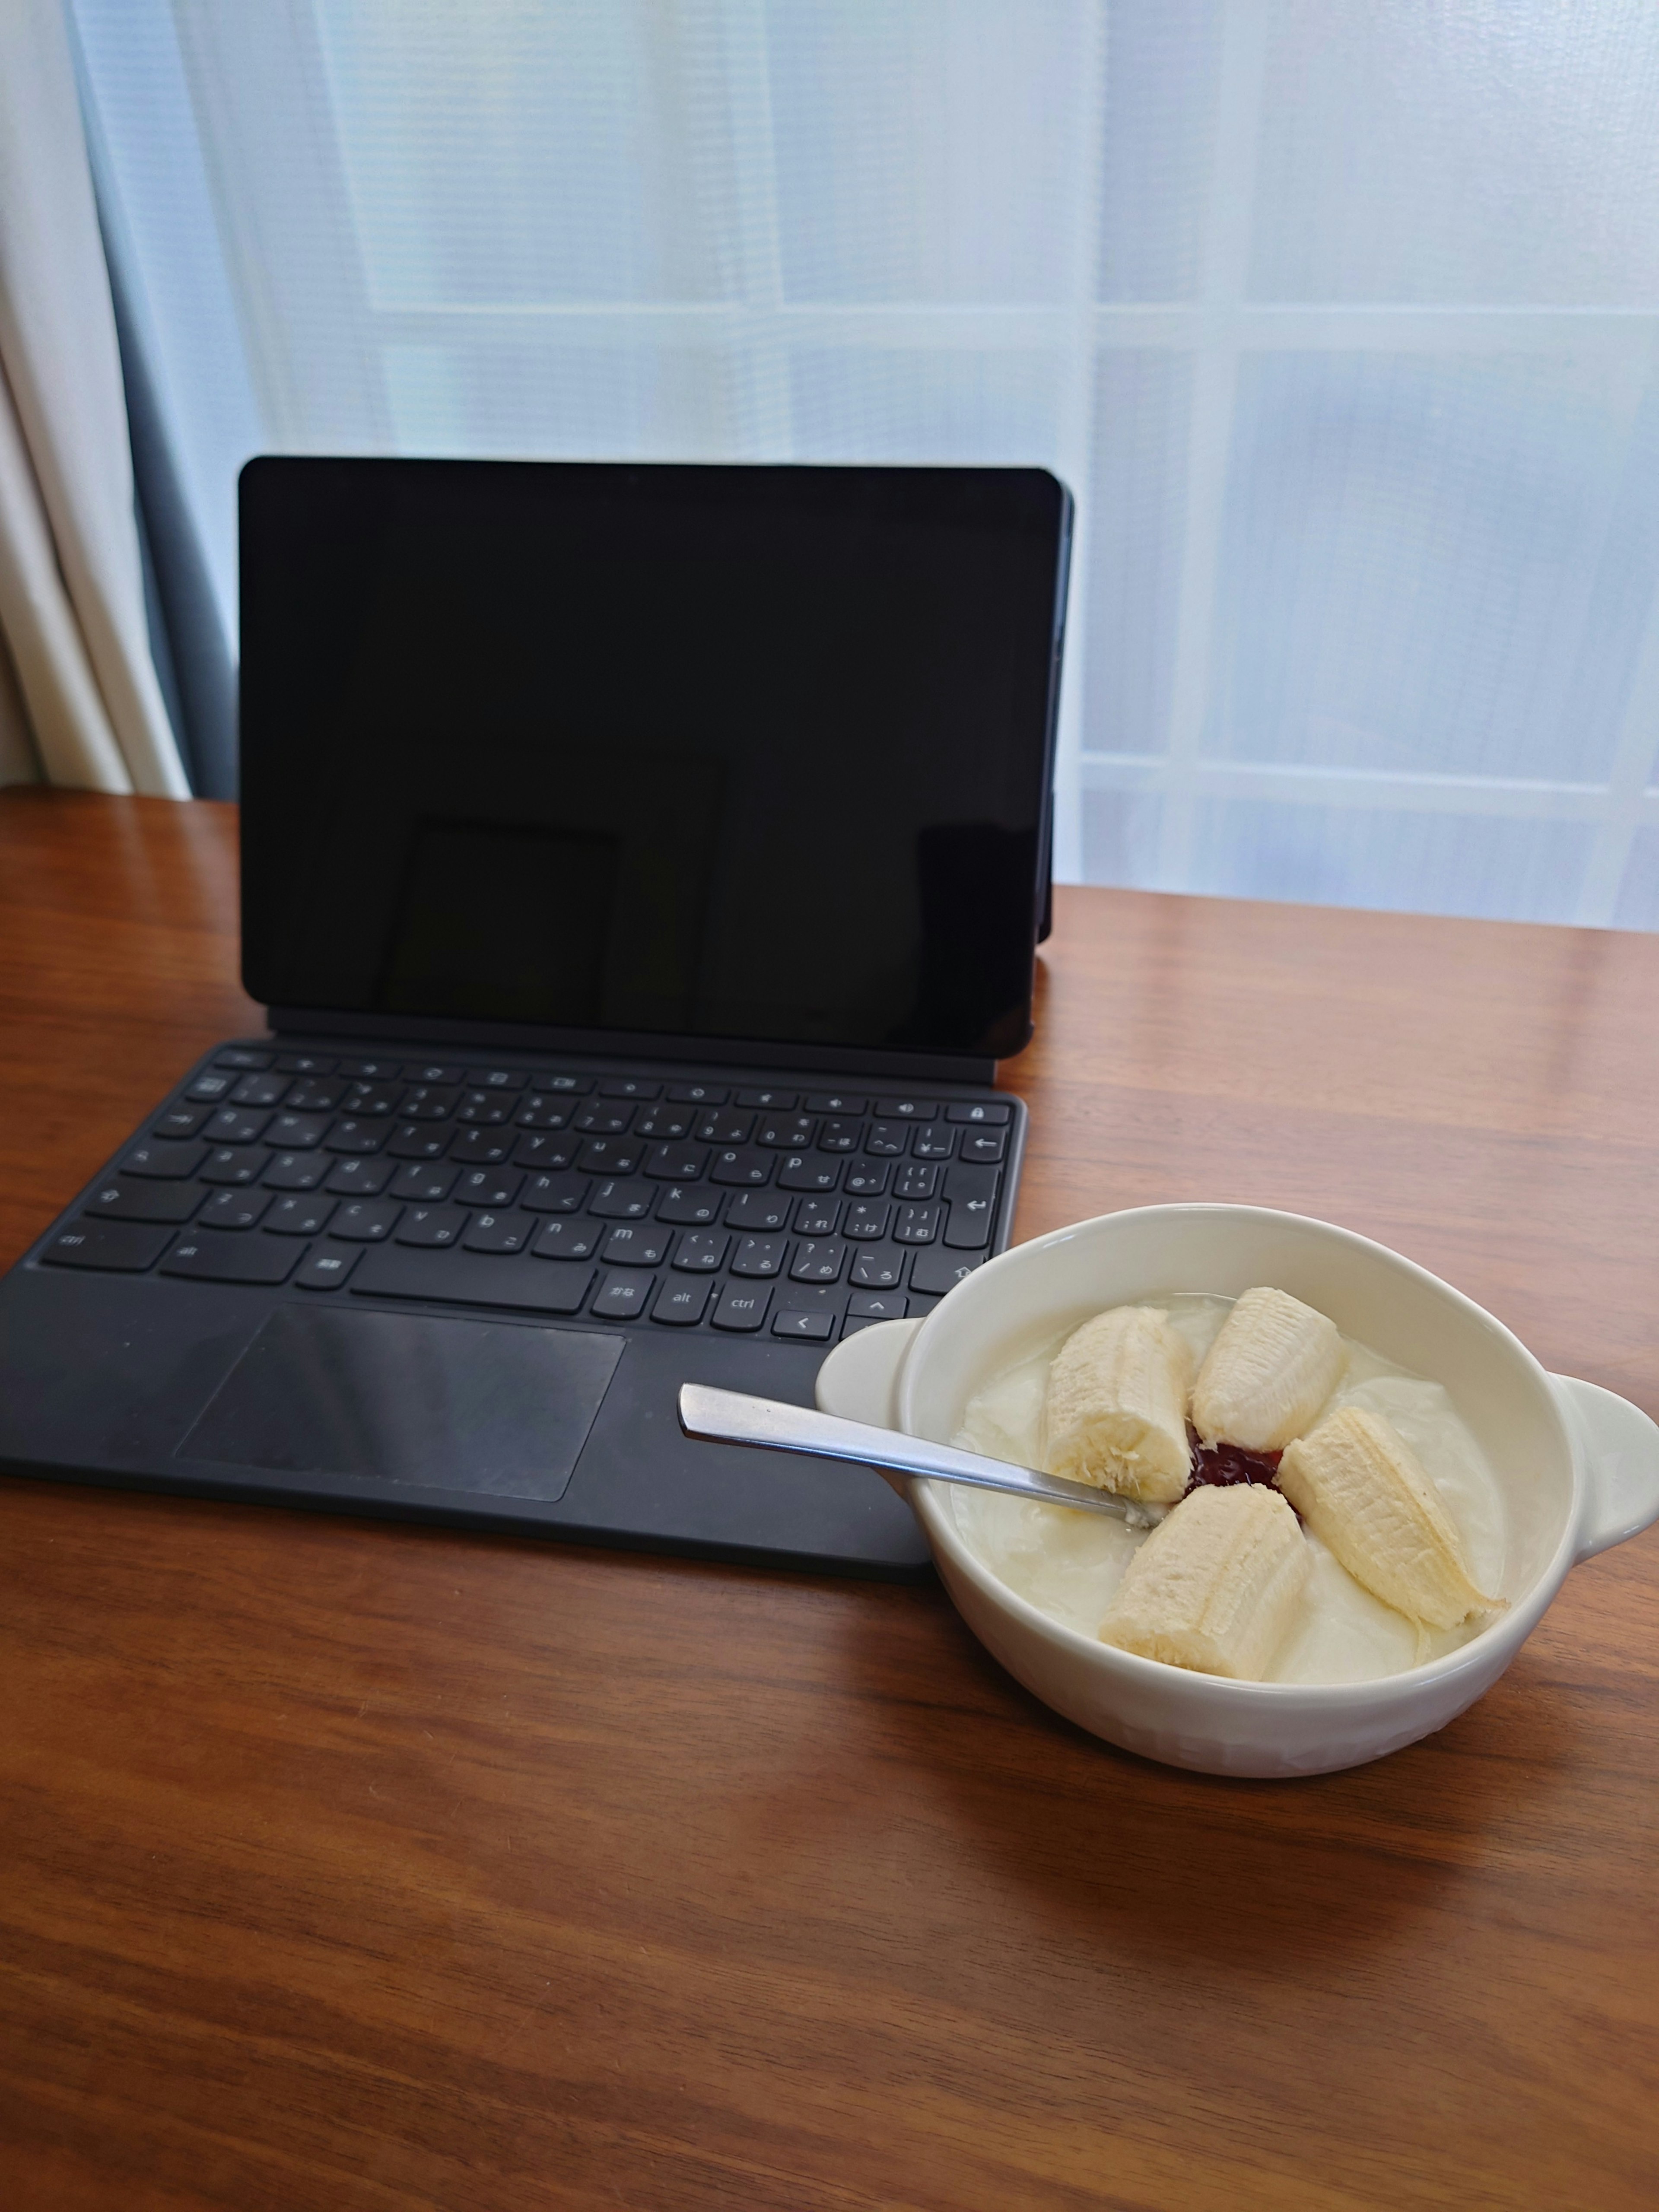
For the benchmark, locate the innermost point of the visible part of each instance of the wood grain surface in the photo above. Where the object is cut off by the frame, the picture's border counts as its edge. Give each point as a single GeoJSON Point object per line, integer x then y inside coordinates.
{"type": "Point", "coordinates": [363, 1868]}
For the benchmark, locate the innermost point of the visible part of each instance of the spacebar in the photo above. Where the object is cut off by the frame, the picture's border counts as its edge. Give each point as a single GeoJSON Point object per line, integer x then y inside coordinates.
{"type": "Point", "coordinates": [473, 1278]}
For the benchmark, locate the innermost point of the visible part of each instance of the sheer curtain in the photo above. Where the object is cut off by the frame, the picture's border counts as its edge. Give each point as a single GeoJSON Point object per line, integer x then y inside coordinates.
{"type": "Point", "coordinates": [1338, 315]}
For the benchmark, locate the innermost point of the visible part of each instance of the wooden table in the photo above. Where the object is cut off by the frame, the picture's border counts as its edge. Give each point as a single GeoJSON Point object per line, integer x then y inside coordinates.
{"type": "Point", "coordinates": [352, 1865]}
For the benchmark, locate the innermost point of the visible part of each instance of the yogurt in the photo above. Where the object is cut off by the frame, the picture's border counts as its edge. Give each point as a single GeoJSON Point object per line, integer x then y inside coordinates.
{"type": "Point", "coordinates": [1068, 1564]}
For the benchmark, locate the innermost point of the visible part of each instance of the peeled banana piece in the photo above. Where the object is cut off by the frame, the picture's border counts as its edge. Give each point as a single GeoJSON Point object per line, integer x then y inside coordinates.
{"type": "Point", "coordinates": [1362, 1490]}
{"type": "Point", "coordinates": [1268, 1372]}
{"type": "Point", "coordinates": [1215, 1586]}
{"type": "Point", "coordinates": [1116, 1411]}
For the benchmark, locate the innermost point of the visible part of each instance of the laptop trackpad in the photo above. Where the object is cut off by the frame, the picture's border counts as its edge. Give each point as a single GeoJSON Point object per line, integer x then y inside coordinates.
{"type": "Point", "coordinates": [490, 1407]}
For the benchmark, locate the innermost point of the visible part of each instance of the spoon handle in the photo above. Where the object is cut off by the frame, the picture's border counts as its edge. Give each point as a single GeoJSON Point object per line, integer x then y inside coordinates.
{"type": "Point", "coordinates": [730, 1418]}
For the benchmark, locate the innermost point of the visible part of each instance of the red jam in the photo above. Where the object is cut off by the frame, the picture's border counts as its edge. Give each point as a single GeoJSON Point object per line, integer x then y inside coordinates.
{"type": "Point", "coordinates": [1224, 1464]}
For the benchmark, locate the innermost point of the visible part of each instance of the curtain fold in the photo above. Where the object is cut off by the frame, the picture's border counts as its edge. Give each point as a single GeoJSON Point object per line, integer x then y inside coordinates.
{"type": "Point", "coordinates": [72, 617]}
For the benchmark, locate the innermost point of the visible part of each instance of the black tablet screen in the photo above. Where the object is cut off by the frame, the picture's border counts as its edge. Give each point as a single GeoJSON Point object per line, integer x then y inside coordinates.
{"type": "Point", "coordinates": [753, 753]}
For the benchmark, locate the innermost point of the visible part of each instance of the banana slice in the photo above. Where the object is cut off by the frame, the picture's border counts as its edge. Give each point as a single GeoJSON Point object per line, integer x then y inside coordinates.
{"type": "Point", "coordinates": [1362, 1490]}
{"type": "Point", "coordinates": [1215, 1586]}
{"type": "Point", "coordinates": [1271, 1368]}
{"type": "Point", "coordinates": [1116, 1411]}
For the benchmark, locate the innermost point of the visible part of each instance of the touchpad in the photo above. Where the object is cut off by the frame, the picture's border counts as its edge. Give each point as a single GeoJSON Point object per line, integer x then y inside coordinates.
{"type": "Point", "coordinates": [442, 1405]}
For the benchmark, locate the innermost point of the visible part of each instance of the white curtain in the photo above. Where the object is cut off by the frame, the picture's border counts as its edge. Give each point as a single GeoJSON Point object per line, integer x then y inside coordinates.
{"type": "Point", "coordinates": [1340, 317]}
{"type": "Point", "coordinates": [79, 700]}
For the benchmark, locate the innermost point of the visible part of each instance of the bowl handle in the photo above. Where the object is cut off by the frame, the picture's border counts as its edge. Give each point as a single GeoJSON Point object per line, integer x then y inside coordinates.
{"type": "Point", "coordinates": [1621, 1464]}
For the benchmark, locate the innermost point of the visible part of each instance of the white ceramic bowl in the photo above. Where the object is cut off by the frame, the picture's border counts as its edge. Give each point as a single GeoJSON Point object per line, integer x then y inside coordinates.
{"type": "Point", "coordinates": [1578, 1468]}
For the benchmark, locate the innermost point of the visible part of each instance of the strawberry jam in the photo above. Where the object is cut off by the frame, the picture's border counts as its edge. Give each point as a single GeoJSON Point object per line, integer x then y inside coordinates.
{"type": "Point", "coordinates": [1222, 1464]}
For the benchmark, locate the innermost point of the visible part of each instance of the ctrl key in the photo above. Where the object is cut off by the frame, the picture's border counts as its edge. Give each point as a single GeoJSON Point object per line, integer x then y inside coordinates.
{"type": "Point", "coordinates": [326, 1269]}
{"type": "Point", "coordinates": [125, 1248]}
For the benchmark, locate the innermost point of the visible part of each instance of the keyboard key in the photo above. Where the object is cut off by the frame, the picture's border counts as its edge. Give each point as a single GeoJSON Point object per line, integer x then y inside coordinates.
{"type": "Point", "coordinates": [623, 1297]}
{"type": "Point", "coordinates": [298, 1216]}
{"type": "Point", "coordinates": [476, 1148]}
{"type": "Point", "coordinates": [430, 1225]}
{"type": "Point", "coordinates": [808, 1171]}
{"type": "Point", "coordinates": [700, 1252]}
{"type": "Point", "coordinates": [315, 1098]}
{"type": "Point", "coordinates": [778, 1101]}
{"type": "Point", "coordinates": [162, 1158]}
{"type": "Point", "coordinates": [131, 1199]}
{"type": "Point", "coordinates": [794, 1298]}
{"type": "Point", "coordinates": [359, 1178]}
{"type": "Point", "coordinates": [917, 1224]}
{"type": "Point", "coordinates": [234, 1209]}
{"type": "Point", "coordinates": [327, 1269]}
{"type": "Point", "coordinates": [622, 1201]}
{"type": "Point", "coordinates": [543, 1149]}
{"type": "Point", "coordinates": [917, 1179]}
{"type": "Point", "coordinates": [573, 1086]}
{"type": "Point", "coordinates": [488, 1187]}
{"type": "Point", "coordinates": [610, 1156]}
{"type": "Point", "coordinates": [817, 1327]}
{"type": "Point", "coordinates": [628, 1086]}
{"type": "Point", "coordinates": [724, 1128]}
{"type": "Point", "coordinates": [759, 1210]}
{"type": "Point", "coordinates": [984, 1145]}
{"type": "Point", "coordinates": [760, 1256]}
{"type": "Point", "coordinates": [972, 1192]}
{"type": "Point", "coordinates": [817, 1216]}
{"type": "Point", "coordinates": [429, 1186]}
{"type": "Point", "coordinates": [240, 1055]}
{"type": "Point", "coordinates": [940, 1270]}
{"type": "Point", "coordinates": [433, 1071]}
{"type": "Point", "coordinates": [694, 1209]}
{"type": "Point", "coordinates": [296, 1132]}
{"type": "Point", "coordinates": [237, 1165]}
{"type": "Point", "coordinates": [373, 1101]}
{"type": "Point", "coordinates": [745, 1166]}
{"type": "Point", "coordinates": [818, 1262]}
{"type": "Point", "coordinates": [208, 1259]}
{"type": "Point", "coordinates": [429, 1101]}
{"type": "Point", "coordinates": [868, 1178]}
{"type": "Point", "coordinates": [555, 1193]}
{"type": "Point", "coordinates": [664, 1121]}
{"type": "Point", "coordinates": [993, 1111]}
{"type": "Point", "coordinates": [351, 1134]}
{"type": "Point", "coordinates": [485, 1109]}
{"type": "Point", "coordinates": [741, 1308]}
{"type": "Point", "coordinates": [599, 1119]}
{"type": "Point", "coordinates": [866, 1219]}
{"type": "Point", "coordinates": [305, 1063]}
{"type": "Point", "coordinates": [785, 1133]}
{"type": "Point", "coordinates": [234, 1125]}
{"type": "Point", "coordinates": [637, 1245]}
{"type": "Point", "coordinates": [566, 1240]}
{"type": "Point", "coordinates": [935, 1140]}
{"type": "Point", "coordinates": [371, 1071]}
{"type": "Point", "coordinates": [841, 1136]}
{"type": "Point", "coordinates": [877, 1305]}
{"type": "Point", "coordinates": [365, 1220]}
{"type": "Point", "coordinates": [259, 1091]}
{"type": "Point", "coordinates": [496, 1079]}
{"type": "Point", "coordinates": [181, 1121]}
{"type": "Point", "coordinates": [544, 1109]}
{"type": "Point", "coordinates": [499, 1232]}
{"type": "Point", "coordinates": [681, 1304]}
{"type": "Point", "coordinates": [877, 1267]}
{"type": "Point", "coordinates": [886, 1139]}
{"type": "Point", "coordinates": [834, 1101]}
{"type": "Point", "coordinates": [676, 1163]}
{"type": "Point", "coordinates": [471, 1278]}
{"type": "Point", "coordinates": [906, 1110]}
{"type": "Point", "coordinates": [125, 1248]}
{"type": "Point", "coordinates": [212, 1086]}
{"type": "Point", "coordinates": [697, 1094]}
{"type": "Point", "coordinates": [297, 1170]}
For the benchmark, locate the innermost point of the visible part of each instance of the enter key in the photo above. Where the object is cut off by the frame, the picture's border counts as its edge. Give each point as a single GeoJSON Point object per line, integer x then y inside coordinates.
{"type": "Point", "coordinates": [972, 1193]}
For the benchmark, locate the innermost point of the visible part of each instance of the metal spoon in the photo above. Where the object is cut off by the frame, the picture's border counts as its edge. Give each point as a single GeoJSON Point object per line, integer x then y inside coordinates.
{"type": "Point", "coordinates": [727, 1417]}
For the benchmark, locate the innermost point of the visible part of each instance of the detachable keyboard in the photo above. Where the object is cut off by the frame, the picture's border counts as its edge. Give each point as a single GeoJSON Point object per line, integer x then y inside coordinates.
{"type": "Point", "coordinates": [723, 1202]}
